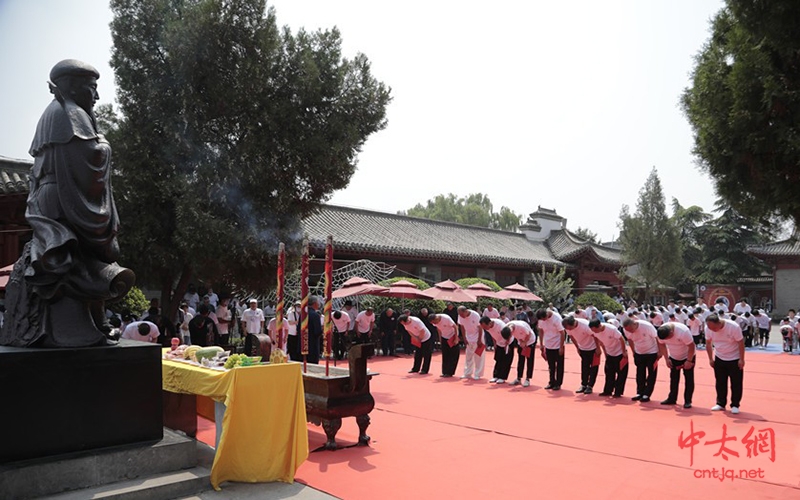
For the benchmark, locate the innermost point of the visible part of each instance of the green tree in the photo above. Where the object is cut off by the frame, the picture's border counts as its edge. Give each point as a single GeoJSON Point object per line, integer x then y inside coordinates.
{"type": "Point", "coordinates": [724, 242]}
{"type": "Point", "coordinates": [744, 106]}
{"type": "Point", "coordinates": [687, 221]}
{"type": "Point", "coordinates": [553, 287]}
{"type": "Point", "coordinates": [650, 240]}
{"type": "Point", "coordinates": [475, 210]}
{"type": "Point", "coordinates": [231, 130]}
{"type": "Point", "coordinates": [585, 234]}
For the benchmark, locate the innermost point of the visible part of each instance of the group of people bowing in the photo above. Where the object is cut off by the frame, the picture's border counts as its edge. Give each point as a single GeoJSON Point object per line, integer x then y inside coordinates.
{"type": "Point", "coordinates": [593, 340]}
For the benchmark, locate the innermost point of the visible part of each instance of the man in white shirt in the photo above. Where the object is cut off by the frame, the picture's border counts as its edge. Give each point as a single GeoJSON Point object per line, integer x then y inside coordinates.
{"type": "Point", "coordinates": [503, 354]}
{"type": "Point", "coordinates": [725, 347]}
{"type": "Point", "coordinates": [448, 339]}
{"type": "Point", "coordinates": [341, 324]}
{"type": "Point", "coordinates": [213, 298]}
{"type": "Point", "coordinates": [553, 337]}
{"type": "Point", "coordinates": [252, 318]}
{"type": "Point", "coordinates": [762, 320]}
{"type": "Point", "coordinates": [587, 349]}
{"type": "Point", "coordinates": [143, 331]}
{"type": "Point", "coordinates": [616, 366]}
{"type": "Point", "coordinates": [489, 312]}
{"type": "Point", "coordinates": [742, 307]}
{"type": "Point", "coordinates": [224, 317]}
{"type": "Point", "coordinates": [676, 345]}
{"type": "Point", "coordinates": [423, 341]}
{"type": "Point", "coordinates": [278, 338]}
{"type": "Point", "coordinates": [351, 311]}
{"type": "Point", "coordinates": [365, 322]}
{"type": "Point", "coordinates": [522, 332]}
{"type": "Point", "coordinates": [643, 340]}
{"type": "Point", "coordinates": [469, 324]}
{"type": "Point", "coordinates": [292, 338]}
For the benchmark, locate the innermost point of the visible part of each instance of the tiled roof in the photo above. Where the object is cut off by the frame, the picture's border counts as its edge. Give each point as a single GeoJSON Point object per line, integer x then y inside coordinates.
{"type": "Point", "coordinates": [566, 247]}
{"type": "Point", "coordinates": [402, 236]}
{"type": "Point", "coordinates": [14, 175]}
{"type": "Point", "coordinates": [786, 248]}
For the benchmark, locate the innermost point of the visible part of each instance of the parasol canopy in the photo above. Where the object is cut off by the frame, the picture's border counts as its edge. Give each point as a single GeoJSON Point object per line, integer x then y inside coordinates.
{"type": "Point", "coordinates": [450, 291]}
{"type": "Point", "coordinates": [357, 286]}
{"type": "Point", "coordinates": [402, 290]}
{"type": "Point", "coordinates": [482, 290]}
{"type": "Point", "coordinates": [518, 292]}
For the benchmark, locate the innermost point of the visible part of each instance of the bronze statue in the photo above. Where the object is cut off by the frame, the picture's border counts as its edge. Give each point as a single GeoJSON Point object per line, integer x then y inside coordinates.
{"type": "Point", "coordinates": [57, 291]}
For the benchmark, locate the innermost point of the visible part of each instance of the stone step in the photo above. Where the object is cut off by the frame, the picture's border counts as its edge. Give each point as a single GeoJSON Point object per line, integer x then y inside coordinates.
{"type": "Point", "coordinates": [54, 475]}
{"type": "Point", "coordinates": [161, 486]}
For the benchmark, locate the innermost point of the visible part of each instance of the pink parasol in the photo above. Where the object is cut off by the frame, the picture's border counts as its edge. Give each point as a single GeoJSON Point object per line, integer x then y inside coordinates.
{"type": "Point", "coordinates": [518, 292]}
{"type": "Point", "coordinates": [5, 274]}
{"type": "Point", "coordinates": [357, 286]}
{"type": "Point", "coordinates": [449, 291]}
{"type": "Point", "coordinates": [402, 290]}
{"type": "Point", "coordinates": [482, 290]}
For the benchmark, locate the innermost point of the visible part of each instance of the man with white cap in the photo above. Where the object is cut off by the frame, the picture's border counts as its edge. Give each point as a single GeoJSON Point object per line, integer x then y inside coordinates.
{"type": "Point", "coordinates": [253, 318]}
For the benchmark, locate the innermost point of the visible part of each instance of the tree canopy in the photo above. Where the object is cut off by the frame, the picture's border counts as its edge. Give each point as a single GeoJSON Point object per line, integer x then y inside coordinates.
{"type": "Point", "coordinates": [231, 130]}
{"type": "Point", "coordinates": [649, 239]}
{"type": "Point", "coordinates": [744, 106]}
{"type": "Point", "coordinates": [475, 210]}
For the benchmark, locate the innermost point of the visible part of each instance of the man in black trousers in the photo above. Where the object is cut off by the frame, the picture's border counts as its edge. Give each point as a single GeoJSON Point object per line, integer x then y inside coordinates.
{"type": "Point", "coordinates": [503, 353]}
{"type": "Point", "coordinates": [422, 339]}
{"type": "Point", "coordinates": [725, 346]}
{"type": "Point", "coordinates": [588, 350]}
{"type": "Point", "coordinates": [643, 339]}
{"type": "Point", "coordinates": [448, 339]}
{"type": "Point", "coordinates": [676, 344]}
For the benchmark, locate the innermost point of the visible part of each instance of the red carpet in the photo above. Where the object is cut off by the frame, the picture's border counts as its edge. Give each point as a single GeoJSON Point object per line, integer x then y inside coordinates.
{"type": "Point", "coordinates": [435, 437]}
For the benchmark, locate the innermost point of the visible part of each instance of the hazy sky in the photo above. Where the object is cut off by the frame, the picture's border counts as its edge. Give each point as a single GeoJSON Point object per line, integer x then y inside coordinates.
{"type": "Point", "coordinates": [563, 104]}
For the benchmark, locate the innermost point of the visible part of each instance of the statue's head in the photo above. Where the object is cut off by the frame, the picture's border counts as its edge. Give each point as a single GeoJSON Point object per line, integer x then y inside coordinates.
{"type": "Point", "coordinates": [77, 81]}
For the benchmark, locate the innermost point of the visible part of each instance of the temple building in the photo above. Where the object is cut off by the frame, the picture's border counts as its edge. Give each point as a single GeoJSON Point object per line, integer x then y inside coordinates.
{"type": "Point", "coordinates": [429, 249]}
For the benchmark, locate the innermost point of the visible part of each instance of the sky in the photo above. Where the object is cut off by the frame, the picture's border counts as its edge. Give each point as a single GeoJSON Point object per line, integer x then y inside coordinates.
{"type": "Point", "coordinates": [566, 105]}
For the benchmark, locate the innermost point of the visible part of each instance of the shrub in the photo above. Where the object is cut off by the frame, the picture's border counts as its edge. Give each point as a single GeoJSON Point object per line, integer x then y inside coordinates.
{"type": "Point", "coordinates": [134, 304]}
{"type": "Point", "coordinates": [599, 300]}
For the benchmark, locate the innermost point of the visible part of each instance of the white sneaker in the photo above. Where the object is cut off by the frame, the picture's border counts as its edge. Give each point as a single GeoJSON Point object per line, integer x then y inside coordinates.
{"type": "Point", "coordinates": [501, 381]}
{"type": "Point", "coordinates": [476, 378]}
{"type": "Point", "coordinates": [465, 376]}
{"type": "Point", "coordinates": [735, 410]}
{"type": "Point", "coordinates": [527, 383]}
{"type": "Point", "coordinates": [493, 380]}
{"type": "Point", "coordinates": [717, 408]}
{"type": "Point", "coordinates": [515, 382]}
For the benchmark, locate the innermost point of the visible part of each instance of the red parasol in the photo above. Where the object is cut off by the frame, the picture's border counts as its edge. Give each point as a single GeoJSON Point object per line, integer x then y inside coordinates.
{"type": "Point", "coordinates": [482, 290]}
{"type": "Point", "coordinates": [449, 291]}
{"type": "Point", "coordinates": [402, 290]}
{"type": "Point", "coordinates": [518, 292]}
{"type": "Point", "coordinates": [357, 286]}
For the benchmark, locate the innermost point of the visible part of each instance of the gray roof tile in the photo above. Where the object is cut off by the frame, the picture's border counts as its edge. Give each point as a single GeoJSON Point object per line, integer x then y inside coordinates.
{"type": "Point", "coordinates": [398, 235]}
{"type": "Point", "coordinates": [567, 246]}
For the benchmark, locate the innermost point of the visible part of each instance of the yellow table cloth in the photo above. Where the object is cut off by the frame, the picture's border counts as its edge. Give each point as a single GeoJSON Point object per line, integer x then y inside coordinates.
{"type": "Point", "coordinates": [264, 433]}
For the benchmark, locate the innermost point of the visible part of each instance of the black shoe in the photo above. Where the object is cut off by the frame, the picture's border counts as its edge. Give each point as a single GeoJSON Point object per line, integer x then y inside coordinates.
{"type": "Point", "coordinates": [637, 397]}
{"type": "Point", "coordinates": [557, 388]}
{"type": "Point", "coordinates": [413, 371]}
{"type": "Point", "coordinates": [548, 387]}
{"type": "Point", "coordinates": [604, 394]}
{"type": "Point", "coordinates": [616, 396]}
{"type": "Point", "coordinates": [687, 405]}
{"type": "Point", "coordinates": [645, 399]}
{"type": "Point", "coordinates": [423, 373]}
{"type": "Point", "coordinates": [668, 402]}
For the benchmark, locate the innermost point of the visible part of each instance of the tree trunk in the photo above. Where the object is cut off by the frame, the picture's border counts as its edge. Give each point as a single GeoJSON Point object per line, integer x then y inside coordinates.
{"type": "Point", "coordinates": [180, 289]}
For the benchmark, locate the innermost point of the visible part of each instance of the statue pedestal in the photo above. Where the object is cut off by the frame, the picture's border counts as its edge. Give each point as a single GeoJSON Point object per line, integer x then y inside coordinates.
{"type": "Point", "coordinates": [58, 401]}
